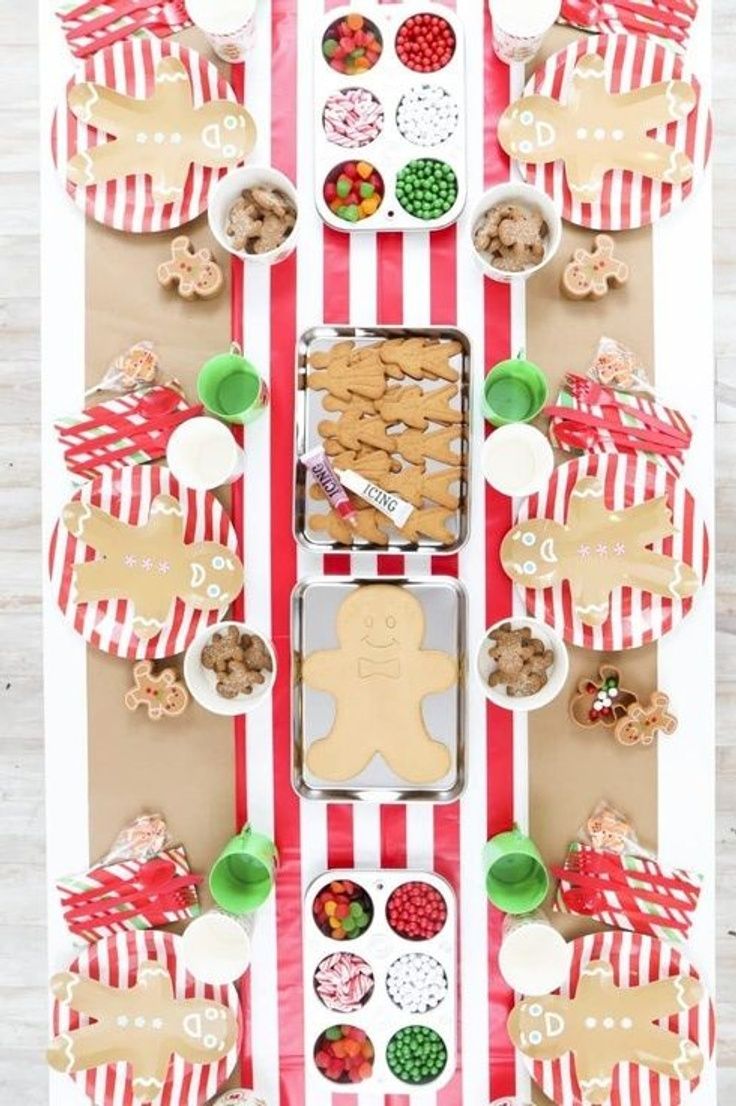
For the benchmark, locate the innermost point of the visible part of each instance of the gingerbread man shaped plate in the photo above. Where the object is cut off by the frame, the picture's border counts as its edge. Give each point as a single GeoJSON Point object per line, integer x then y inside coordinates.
{"type": "Point", "coordinates": [614, 129]}
{"type": "Point", "coordinates": [611, 554]}
{"type": "Point", "coordinates": [131, 1025]}
{"type": "Point", "coordinates": [144, 133]}
{"type": "Point", "coordinates": [139, 565]}
{"type": "Point", "coordinates": [633, 1025]}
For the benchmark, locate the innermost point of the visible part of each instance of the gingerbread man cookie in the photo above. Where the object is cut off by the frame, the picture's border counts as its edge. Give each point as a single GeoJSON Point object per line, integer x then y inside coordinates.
{"type": "Point", "coordinates": [605, 1025]}
{"type": "Point", "coordinates": [592, 272]}
{"type": "Point", "coordinates": [150, 566]}
{"type": "Point", "coordinates": [642, 723]}
{"type": "Point", "coordinates": [195, 272]}
{"type": "Point", "coordinates": [378, 677]}
{"type": "Point", "coordinates": [162, 694]}
{"type": "Point", "coordinates": [161, 137]}
{"type": "Point", "coordinates": [143, 1026]}
{"type": "Point", "coordinates": [596, 131]}
{"type": "Point", "coordinates": [597, 550]}
{"type": "Point", "coordinates": [420, 358]}
{"type": "Point", "coordinates": [345, 371]}
{"type": "Point", "coordinates": [417, 409]}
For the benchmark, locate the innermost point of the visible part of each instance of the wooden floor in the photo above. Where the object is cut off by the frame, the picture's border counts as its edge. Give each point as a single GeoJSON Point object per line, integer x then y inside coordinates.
{"type": "Point", "coordinates": [22, 876]}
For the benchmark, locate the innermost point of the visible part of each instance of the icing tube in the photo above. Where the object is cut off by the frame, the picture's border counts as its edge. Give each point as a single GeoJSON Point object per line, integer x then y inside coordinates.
{"type": "Point", "coordinates": [393, 506]}
{"type": "Point", "coordinates": [318, 463]}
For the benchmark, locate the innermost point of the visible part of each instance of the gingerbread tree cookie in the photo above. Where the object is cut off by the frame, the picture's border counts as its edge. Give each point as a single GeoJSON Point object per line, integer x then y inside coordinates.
{"type": "Point", "coordinates": [597, 550]}
{"type": "Point", "coordinates": [151, 565]}
{"type": "Point", "coordinates": [592, 272]}
{"type": "Point", "coordinates": [143, 1026]}
{"type": "Point", "coordinates": [378, 677]}
{"type": "Point", "coordinates": [161, 137]}
{"type": "Point", "coordinates": [596, 131]}
{"type": "Point", "coordinates": [194, 273]}
{"type": "Point", "coordinates": [605, 1025]}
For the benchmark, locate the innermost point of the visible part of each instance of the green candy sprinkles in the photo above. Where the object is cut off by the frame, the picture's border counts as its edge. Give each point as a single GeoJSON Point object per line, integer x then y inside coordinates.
{"type": "Point", "coordinates": [427, 188]}
{"type": "Point", "coordinates": [416, 1054]}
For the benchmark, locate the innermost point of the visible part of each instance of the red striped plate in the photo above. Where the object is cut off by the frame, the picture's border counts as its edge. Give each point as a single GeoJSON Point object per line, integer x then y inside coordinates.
{"type": "Point", "coordinates": [116, 962]}
{"type": "Point", "coordinates": [127, 495]}
{"type": "Point", "coordinates": [635, 617]}
{"type": "Point", "coordinates": [636, 960]}
{"type": "Point", "coordinates": [127, 203]}
{"type": "Point", "coordinates": [628, 200]}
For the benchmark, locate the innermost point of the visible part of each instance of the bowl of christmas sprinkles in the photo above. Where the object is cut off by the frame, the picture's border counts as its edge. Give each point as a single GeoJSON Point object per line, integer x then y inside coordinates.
{"type": "Point", "coordinates": [354, 191]}
{"type": "Point", "coordinates": [352, 117]}
{"type": "Point", "coordinates": [344, 1054]}
{"type": "Point", "coordinates": [416, 911]}
{"type": "Point", "coordinates": [416, 1054]}
{"type": "Point", "coordinates": [425, 43]}
{"type": "Point", "coordinates": [416, 983]}
{"type": "Point", "coordinates": [427, 115]}
{"type": "Point", "coordinates": [344, 982]}
{"type": "Point", "coordinates": [427, 188]}
{"type": "Point", "coordinates": [352, 44]}
{"type": "Point", "coordinates": [342, 910]}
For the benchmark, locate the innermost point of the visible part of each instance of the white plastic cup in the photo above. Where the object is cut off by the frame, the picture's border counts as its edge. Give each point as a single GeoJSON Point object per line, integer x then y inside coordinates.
{"type": "Point", "coordinates": [229, 188]}
{"type": "Point", "coordinates": [520, 25]}
{"type": "Point", "coordinates": [534, 958]}
{"type": "Point", "coordinates": [516, 192]}
{"type": "Point", "coordinates": [229, 25]}
{"type": "Point", "coordinates": [203, 454]}
{"type": "Point", "coordinates": [517, 460]}
{"type": "Point", "coordinates": [216, 947]}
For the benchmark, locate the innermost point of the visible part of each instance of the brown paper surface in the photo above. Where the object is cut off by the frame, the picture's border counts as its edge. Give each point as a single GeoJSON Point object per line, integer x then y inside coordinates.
{"type": "Point", "coordinates": [570, 769]}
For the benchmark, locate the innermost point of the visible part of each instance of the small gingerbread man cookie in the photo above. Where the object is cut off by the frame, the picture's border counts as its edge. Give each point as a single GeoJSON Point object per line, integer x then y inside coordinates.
{"type": "Point", "coordinates": [641, 723]}
{"type": "Point", "coordinates": [591, 273]}
{"type": "Point", "coordinates": [195, 272]}
{"type": "Point", "coordinates": [162, 694]}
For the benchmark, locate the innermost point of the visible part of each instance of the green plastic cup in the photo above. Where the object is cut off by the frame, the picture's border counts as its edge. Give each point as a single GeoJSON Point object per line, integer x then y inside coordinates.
{"type": "Point", "coordinates": [514, 391]}
{"type": "Point", "coordinates": [517, 880]}
{"type": "Point", "coordinates": [242, 877]}
{"type": "Point", "coordinates": [231, 388]}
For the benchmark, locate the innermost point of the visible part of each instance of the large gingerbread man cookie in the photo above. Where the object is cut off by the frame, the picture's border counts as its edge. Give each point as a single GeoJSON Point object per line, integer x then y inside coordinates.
{"type": "Point", "coordinates": [597, 550]}
{"type": "Point", "coordinates": [605, 1025]}
{"type": "Point", "coordinates": [378, 677]}
{"type": "Point", "coordinates": [597, 130]}
{"type": "Point", "coordinates": [143, 1025]}
{"type": "Point", "coordinates": [162, 136]}
{"type": "Point", "coordinates": [150, 566]}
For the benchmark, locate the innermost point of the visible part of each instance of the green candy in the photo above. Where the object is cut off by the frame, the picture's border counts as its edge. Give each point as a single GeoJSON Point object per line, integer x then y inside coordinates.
{"type": "Point", "coordinates": [416, 1054]}
{"type": "Point", "coordinates": [334, 1033]}
{"type": "Point", "coordinates": [366, 190]}
{"type": "Point", "coordinates": [330, 47]}
{"type": "Point", "coordinates": [351, 212]}
{"type": "Point", "coordinates": [426, 188]}
{"type": "Point", "coordinates": [343, 187]}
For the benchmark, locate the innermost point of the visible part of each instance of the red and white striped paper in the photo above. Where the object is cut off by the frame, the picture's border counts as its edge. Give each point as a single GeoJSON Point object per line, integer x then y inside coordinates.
{"type": "Point", "coordinates": [127, 495]}
{"type": "Point", "coordinates": [116, 962]}
{"type": "Point", "coordinates": [628, 199]}
{"type": "Point", "coordinates": [127, 204]}
{"type": "Point", "coordinates": [635, 617]}
{"type": "Point", "coordinates": [635, 960]}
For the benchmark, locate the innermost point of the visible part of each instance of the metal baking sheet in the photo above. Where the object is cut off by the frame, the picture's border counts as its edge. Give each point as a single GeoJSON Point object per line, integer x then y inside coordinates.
{"type": "Point", "coordinates": [309, 412]}
{"type": "Point", "coordinates": [315, 603]}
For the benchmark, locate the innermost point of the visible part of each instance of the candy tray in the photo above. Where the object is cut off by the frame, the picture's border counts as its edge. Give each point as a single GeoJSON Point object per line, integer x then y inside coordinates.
{"type": "Point", "coordinates": [379, 946]}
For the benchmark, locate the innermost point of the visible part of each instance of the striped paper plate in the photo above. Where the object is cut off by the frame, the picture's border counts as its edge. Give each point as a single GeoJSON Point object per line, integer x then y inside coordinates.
{"type": "Point", "coordinates": [635, 617]}
{"type": "Point", "coordinates": [628, 200]}
{"type": "Point", "coordinates": [635, 960]}
{"type": "Point", "coordinates": [115, 961]}
{"type": "Point", "coordinates": [127, 203]}
{"type": "Point", "coordinates": [127, 495]}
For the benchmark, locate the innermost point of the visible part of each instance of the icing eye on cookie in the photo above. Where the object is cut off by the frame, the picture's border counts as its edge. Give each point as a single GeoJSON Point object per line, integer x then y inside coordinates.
{"type": "Point", "coordinates": [535, 1037]}
{"type": "Point", "coordinates": [230, 122]}
{"type": "Point", "coordinates": [229, 150]}
{"type": "Point", "coordinates": [535, 1010]}
{"type": "Point", "coordinates": [529, 568]}
{"type": "Point", "coordinates": [528, 538]}
{"type": "Point", "coordinates": [210, 1041]}
{"type": "Point", "coordinates": [390, 622]}
{"type": "Point", "coordinates": [214, 591]}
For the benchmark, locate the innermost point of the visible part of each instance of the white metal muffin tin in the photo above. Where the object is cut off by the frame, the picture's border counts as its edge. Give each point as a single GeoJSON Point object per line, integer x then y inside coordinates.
{"type": "Point", "coordinates": [379, 946]}
{"type": "Point", "coordinates": [388, 80]}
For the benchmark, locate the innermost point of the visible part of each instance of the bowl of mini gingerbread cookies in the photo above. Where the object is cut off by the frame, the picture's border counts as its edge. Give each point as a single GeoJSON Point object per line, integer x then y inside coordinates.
{"type": "Point", "coordinates": [515, 230]}
{"type": "Point", "coordinates": [253, 213]}
{"type": "Point", "coordinates": [230, 668]}
{"type": "Point", "coordinates": [522, 664]}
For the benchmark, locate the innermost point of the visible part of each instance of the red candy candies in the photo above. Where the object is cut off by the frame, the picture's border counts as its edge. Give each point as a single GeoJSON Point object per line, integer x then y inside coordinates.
{"type": "Point", "coordinates": [354, 191]}
{"type": "Point", "coordinates": [416, 911]}
{"type": "Point", "coordinates": [425, 43]}
{"type": "Point", "coordinates": [343, 910]}
{"type": "Point", "coordinates": [352, 45]}
{"type": "Point", "coordinates": [344, 1054]}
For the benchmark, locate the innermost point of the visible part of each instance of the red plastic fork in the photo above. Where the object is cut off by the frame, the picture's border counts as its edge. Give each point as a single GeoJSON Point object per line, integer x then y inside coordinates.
{"type": "Point", "coordinates": [593, 394]}
{"type": "Point", "coordinates": [591, 862]}
{"type": "Point", "coordinates": [593, 903]}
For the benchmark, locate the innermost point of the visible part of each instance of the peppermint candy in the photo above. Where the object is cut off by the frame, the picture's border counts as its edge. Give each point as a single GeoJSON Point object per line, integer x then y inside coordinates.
{"type": "Point", "coordinates": [427, 115]}
{"type": "Point", "coordinates": [416, 983]}
{"type": "Point", "coordinates": [344, 982]}
{"type": "Point", "coordinates": [352, 117]}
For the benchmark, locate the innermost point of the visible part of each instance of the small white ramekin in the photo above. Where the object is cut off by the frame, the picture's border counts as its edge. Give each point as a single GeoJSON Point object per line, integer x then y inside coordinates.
{"type": "Point", "coordinates": [201, 681]}
{"type": "Point", "coordinates": [557, 675]}
{"type": "Point", "coordinates": [526, 194]}
{"type": "Point", "coordinates": [229, 188]}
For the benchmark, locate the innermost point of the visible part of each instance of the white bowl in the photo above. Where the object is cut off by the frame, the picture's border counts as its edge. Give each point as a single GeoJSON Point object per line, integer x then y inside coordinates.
{"type": "Point", "coordinates": [201, 681]}
{"type": "Point", "coordinates": [227, 191]}
{"type": "Point", "coordinates": [557, 674]}
{"type": "Point", "coordinates": [517, 459]}
{"type": "Point", "coordinates": [517, 192]}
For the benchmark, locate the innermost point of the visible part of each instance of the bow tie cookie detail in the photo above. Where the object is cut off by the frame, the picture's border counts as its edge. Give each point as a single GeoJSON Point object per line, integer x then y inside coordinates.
{"type": "Point", "coordinates": [605, 1025]}
{"type": "Point", "coordinates": [150, 566]}
{"type": "Point", "coordinates": [596, 131]}
{"type": "Point", "coordinates": [161, 136]}
{"type": "Point", "coordinates": [378, 677]}
{"type": "Point", "coordinates": [143, 1026]}
{"type": "Point", "coordinates": [597, 550]}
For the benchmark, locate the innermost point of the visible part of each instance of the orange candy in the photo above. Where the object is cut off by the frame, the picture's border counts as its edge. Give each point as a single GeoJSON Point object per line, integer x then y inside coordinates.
{"type": "Point", "coordinates": [370, 205]}
{"type": "Point", "coordinates": [354, 21]}
{"type": "Point", "coordinates": [364, 170]}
